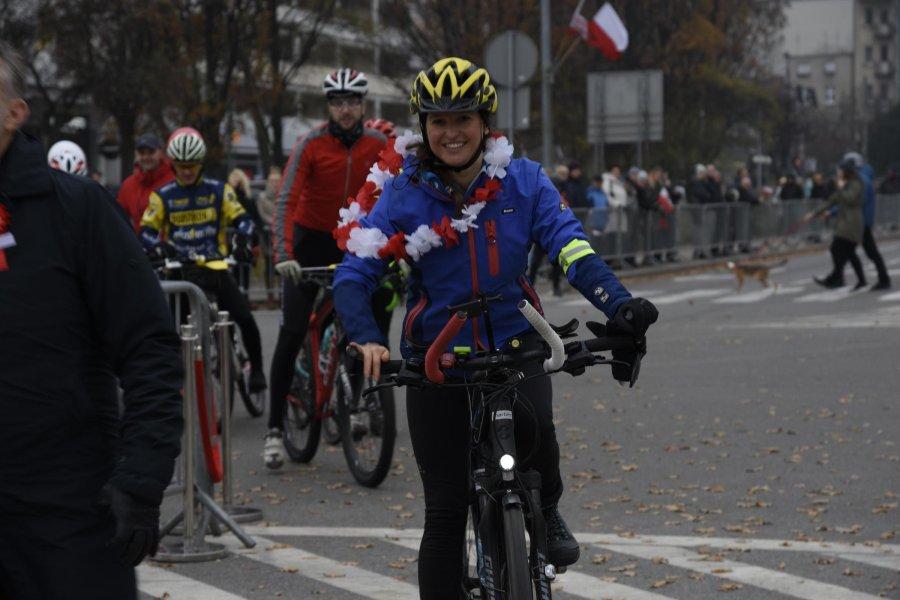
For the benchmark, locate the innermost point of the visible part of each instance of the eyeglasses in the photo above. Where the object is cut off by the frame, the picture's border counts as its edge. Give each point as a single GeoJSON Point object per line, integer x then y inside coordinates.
{"type": "Point", "coordinates": [345, 103]}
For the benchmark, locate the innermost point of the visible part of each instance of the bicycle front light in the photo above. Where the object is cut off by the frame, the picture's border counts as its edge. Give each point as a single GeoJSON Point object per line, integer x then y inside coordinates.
{"type": "Point", "coordinates": [507, 462]}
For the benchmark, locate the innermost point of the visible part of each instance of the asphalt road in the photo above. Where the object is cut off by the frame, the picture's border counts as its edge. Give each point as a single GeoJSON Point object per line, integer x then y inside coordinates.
{"type": "Point", "coordinates": [756, 458]}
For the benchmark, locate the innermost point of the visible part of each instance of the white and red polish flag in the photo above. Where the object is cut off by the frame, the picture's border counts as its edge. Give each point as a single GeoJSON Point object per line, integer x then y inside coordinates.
{"type": "Point", "coordinates": [605, 31]}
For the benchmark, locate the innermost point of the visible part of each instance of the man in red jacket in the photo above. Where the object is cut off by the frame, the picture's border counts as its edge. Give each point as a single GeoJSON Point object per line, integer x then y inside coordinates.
{"type": "Point", "coordinates": [151, 171]}
{"type": "Point", "coordinates": [327, 165]}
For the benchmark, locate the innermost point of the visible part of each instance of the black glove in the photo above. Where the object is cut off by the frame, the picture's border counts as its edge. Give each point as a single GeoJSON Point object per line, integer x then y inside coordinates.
{"type": "Point", "coordinates": [240, 248]}
{"type": "Point", "coordinates": [137, 525]}
{"type": "Point", "coordinates": [633, 318]}
{"type": "Point", "coordinates": [162, 250]}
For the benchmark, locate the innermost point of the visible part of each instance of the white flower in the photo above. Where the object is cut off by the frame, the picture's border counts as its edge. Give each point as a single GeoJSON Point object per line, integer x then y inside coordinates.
{"type": "Point", "coordinates": [365, 242]}
{"type": "Point", "coordinates": [420, 241]}
{"type": "Point", "coordinates": [350, 214]}
{"type": "Point", "coordinates": [470, 214]}
{"type": "Point", "coordinates": [378, 176]}
{"type": "Point", "coordinates": [497, 156]}
{"type": "Point", "coordinates": [405, 140]}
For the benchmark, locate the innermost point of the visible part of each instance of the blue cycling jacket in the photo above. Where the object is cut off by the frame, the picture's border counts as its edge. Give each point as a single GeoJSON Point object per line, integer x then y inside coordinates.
{"type": "Point", "coordinates": [490, 258]}
{"type": "Point", "coordinates": [866, 174]}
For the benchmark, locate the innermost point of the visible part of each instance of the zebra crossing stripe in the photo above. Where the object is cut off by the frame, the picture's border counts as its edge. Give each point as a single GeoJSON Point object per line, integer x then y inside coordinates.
{"type": "Point", "coordinates": [165, 583]}
{"type": "Point", "coordinates": [893, 296]}
{"type": "Point", "coordinates": [766, 579]}
{"type": "Point", "coordinates": [756, 296]}
{"type": "Point", "coordinates": [572, 582]}
{"type": "Point", "coordinates": [689, 295]}
{"type": "Point", "coordinates": [841, 293]}
{"type": "Point", "coordinates": [324, 570]}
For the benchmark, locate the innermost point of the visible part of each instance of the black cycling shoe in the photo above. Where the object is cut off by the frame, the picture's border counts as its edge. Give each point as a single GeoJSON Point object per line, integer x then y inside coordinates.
{"type": "Point", "coordinates": [257, 382]}
{"type": "Point", "coordinates": [561, 544]}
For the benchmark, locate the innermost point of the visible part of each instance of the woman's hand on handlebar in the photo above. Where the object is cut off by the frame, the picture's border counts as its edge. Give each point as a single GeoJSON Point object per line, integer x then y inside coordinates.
{"type": "Point", "coordinates": [372, 354]}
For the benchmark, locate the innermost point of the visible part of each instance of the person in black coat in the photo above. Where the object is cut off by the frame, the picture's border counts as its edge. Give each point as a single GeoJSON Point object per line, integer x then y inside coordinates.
{"type": "Point", "coordinates": [80, 485]}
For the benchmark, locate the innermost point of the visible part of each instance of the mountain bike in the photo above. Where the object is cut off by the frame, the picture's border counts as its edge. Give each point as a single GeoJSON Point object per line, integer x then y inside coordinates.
{"type": "Point", "coordinates": [505, 501]}
{"type": "Point", "coordinates": [326, 395]}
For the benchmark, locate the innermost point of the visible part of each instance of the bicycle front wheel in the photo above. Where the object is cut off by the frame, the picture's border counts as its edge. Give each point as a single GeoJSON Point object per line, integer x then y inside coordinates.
{"type": "Point", "coordinates": [255, 403]}
{"type": "Point", "coordinates": [517, 572]}
{"type": "Point", "coordinates": [368, 428]}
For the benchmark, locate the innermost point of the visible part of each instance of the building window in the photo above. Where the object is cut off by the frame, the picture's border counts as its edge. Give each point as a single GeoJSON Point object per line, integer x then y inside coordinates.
{"type": "Point", "coordinates": [830, 68]}
{"type": "Point", "coordinates": [884, 91]}
{"type": "Point", "coordinates": [884, 16]}
{"type": "Point", "coordinates": [868, 93]}
{"type": "Point", "coordinates": [868, 53]}
{"type": "Point", "coordinates": [803, 70]}
{"type": "Point", "coordinates": [830, 96]}
{"type": "Point", "coordinates": [884, 52]}
{"type": "Point", "coordinates": [868, 15]}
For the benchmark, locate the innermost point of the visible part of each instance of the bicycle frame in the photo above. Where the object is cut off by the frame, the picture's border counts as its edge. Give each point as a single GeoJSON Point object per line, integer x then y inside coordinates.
{"type": "Point", "coordinates": [324, 382]}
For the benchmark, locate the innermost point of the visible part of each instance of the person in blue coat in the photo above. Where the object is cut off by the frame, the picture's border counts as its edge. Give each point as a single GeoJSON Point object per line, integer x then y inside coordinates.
{"type": "Point", "coordinates": [867, 174]}
{"type": "Point", "coordinates": [466, 214]}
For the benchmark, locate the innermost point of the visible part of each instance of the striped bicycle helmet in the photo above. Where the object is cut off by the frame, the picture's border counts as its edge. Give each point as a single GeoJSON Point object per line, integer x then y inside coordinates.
{"type": "Point", "coordinates": [345, 82]}
{"type": "Point", "coordinates": [68, 157]}
{"type": "Point", "coordinates": [382, 125]}
{"type": "Point", "coordinates": [186, 145]}
{"type": "Point", "coordinates": [453, 85]}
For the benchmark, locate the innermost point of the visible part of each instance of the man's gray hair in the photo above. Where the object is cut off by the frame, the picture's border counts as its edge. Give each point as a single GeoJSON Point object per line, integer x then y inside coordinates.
{"type": "Point", "coordinates": [12, 72]}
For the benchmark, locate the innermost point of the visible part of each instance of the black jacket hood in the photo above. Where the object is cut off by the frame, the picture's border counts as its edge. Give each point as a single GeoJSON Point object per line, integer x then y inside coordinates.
{"type": "Point", "coordinates": [23, 169]}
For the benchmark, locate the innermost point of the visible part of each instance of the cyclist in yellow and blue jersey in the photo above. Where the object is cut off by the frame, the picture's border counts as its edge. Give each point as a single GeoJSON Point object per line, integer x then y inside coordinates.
{"type": "Point", "coordinates": [189, 218]}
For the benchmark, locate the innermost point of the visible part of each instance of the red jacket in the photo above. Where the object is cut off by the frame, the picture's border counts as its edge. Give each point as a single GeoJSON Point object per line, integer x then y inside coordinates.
{"type": "Point", "coordinates": [317, 180]}
{"type": "Point", "coordinates": [136, 190]}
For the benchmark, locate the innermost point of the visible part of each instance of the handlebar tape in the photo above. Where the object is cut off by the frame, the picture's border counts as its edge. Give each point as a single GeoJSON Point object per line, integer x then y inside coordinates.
{"type": "Point", "coordinates": [540, 324]}
{"type": "Point", "coordinates": [432, 357]}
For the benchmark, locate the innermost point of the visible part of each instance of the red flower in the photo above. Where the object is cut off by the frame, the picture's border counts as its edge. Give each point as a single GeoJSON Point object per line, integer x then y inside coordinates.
{"type": "Point", "coordinates": [367, 196]}
{"type": "Point", "coordinates": [446, 231]}
{"type": "Point", "coordinates": [488, 191]}
{"type": "Point", "coordinates": [395, 247]}
{"type": "Point", "coordinates": [4, 219]}
{"type": "Point", "coordinates": [390, 159]}
{"type": "Point", "coordinates": [342, 234]}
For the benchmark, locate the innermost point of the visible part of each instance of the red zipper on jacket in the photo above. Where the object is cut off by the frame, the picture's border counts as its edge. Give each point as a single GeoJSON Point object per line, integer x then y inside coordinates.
{"type": "Point", "coordinates": [412, 315]}
{"type": "Point", "coordinates": [473, 264]}
{"type": "Point", "coordinates": [493, 248]}
{"type": "Point", "coordinates": [532, 295]}
{"type": "Point", "coordinates": [347, 176]}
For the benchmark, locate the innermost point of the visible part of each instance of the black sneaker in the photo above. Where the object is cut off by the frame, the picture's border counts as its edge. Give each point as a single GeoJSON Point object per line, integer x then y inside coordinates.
{"type": "Point", "coordinates": [859, 285]}
{"type": "Point", "coordinates": [827, 283]}
{"type": "Point", "coordinates": [561, 544]}
{"type": "Point", "coordinates": [257, 382]}
{"type": "Point", "coordinates": [881, 285]}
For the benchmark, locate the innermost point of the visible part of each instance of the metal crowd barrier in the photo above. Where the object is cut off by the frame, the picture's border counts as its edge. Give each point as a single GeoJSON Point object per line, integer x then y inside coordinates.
{"type": "Point", "coordinates": [199, 513]}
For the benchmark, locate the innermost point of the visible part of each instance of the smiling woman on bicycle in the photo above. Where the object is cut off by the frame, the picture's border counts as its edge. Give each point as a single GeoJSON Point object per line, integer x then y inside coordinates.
{"type": "Point", "coordinates": [465, 215]}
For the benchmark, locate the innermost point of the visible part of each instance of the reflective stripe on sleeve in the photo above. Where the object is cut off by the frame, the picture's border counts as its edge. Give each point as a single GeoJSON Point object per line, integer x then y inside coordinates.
{"type": "Point", "coordinates": [573, 251]}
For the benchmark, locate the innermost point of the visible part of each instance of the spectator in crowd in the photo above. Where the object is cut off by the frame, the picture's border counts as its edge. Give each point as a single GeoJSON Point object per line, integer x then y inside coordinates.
{"type": "Point", "coordinates": [699, 194]}
{"type": "Point", "coordinates": [745, 192]}
{"type": "Point", "coordinates": [747, 199]}
{"type": "Point", "coordinates": [617, 218]}
{"type": "Point", "coordinates": [152, 170]}
{"type": "Point", "coordinates": [576, 188]}
{"type": "Point", "coordinates": [560, 179]}
{"type": "Point", "coordinates": [664, 225]}
{"type": "Point", "coordinates": [790, 189]}
{"type": "Point", "coordinates": [739, 176]}
{"type": "Point", "coordinates": [599, 203]}
{"type": "Point", "coordinates": [81, 481]}
{"type": "Point", "coordinates": [265, 202]}
{"type": "Point", "coordinates": [819, 189]}
{"type": "Point", "coordinates": [643, 197]}
{"type": "Point", "coordinates": [98, 177]}
{"type": "Point", "coordinates": [891, 183]}
{"type": "Point", "coordinates": [241, 183]}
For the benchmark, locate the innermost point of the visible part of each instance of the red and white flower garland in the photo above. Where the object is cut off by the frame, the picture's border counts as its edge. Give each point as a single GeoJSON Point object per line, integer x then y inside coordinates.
{"type": "Point", "coordinates": [371, 242]}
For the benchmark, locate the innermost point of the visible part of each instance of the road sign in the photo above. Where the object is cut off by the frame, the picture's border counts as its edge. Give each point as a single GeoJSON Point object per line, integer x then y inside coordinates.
{"type": "Point", "coordinates": [511, 58]}
{"type": "Point", "coordinates": [509, 110]}
{"type": "Point", "coordinates": [625, 106]}
{"type": "Point", "coordinates": [761, 159]}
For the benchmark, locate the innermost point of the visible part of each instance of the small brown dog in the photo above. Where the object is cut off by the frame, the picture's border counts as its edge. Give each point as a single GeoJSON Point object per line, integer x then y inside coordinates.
{"type": "Point", "coordinates": [748, 270]}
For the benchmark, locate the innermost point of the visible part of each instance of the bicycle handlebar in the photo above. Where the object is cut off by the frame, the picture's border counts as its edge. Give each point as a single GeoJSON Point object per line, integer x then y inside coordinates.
{"type": "Point", "coordinates": [432, 357]}
{"type": "Point", "coordinates": [540, 324]}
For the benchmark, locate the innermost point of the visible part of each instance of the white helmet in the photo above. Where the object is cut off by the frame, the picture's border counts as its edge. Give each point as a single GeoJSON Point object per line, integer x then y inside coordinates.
{"type": "Point", "coordinates": [186, 145]}
{"type": "Point", "coordinates": [67, 156]}
{"type": "Point", "coordinates": [344, 82]}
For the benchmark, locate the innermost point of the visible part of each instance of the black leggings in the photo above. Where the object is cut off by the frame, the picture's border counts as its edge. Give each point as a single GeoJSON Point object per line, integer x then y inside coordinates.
{"type": "Point", "coordinates": [311, 249]}
{"type": "Point", "coordinates": [229, 297]}
{"type": "Point", "coordinates": [842, 251]}
{"type": "Point", "coordinates": [439, 428]}
{"type": "Point", "coordinates": [874, 255]}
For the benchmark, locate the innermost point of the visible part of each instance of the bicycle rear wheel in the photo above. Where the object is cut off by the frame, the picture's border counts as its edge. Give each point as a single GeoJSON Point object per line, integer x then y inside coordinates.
{"type": "Point", "coordinates": [301, 427]}
{"type": "Point", "coordinates": [368, 428]}
{"type": "Point", "coordinates": [516, 568]}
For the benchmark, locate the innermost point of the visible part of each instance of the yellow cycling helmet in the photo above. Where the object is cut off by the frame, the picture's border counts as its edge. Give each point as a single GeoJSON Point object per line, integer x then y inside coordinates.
{"type": "Point", "coordinates": [453, 85]}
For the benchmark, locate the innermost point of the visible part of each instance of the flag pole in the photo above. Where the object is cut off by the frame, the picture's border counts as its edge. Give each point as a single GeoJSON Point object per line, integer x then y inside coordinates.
{"type": "Point", "coordinates": [558, 63]}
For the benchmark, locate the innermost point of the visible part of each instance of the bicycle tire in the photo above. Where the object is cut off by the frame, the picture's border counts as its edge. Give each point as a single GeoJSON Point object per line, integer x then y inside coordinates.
{"type": "Point", "coordinates": [301, 429]}
{"type": "Point", "coordinates": [519, 585]}
{"type": "Point", "coordinates": [331, 431]}
{"type": "Point", "coordinates": [381, 425]}
{"type": "Point", "coordinates": [254, 403]}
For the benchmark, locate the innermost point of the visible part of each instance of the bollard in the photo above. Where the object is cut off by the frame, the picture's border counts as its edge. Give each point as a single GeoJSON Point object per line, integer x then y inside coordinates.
{"type": "Point", "coordinates": [188, 340]}
{"type": "Point", "coordinates": [224, 327]}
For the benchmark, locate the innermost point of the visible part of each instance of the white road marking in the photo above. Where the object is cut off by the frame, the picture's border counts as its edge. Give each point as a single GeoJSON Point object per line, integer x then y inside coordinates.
{"type": "Point", "coordinates": [841, 293]}
{"type": "Point", "coordinates": [689, 295]}
{"type": "Point", "coordinates": [324, 570]}
{"type": "Point", "coordinates": [165, 583]}
{"type": "Point", "coordinates": [704, 277]}
{"type": "Point", "coordinates": [893, 296]}
{"type": "Point", "coordinates": [888, 316]}
{"type": "Point", "coordinates": [757, 295]}
{"type": "Point", "coordinates": [767, 579]}
{"type": "Point", "coordinates": [572, 582]}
